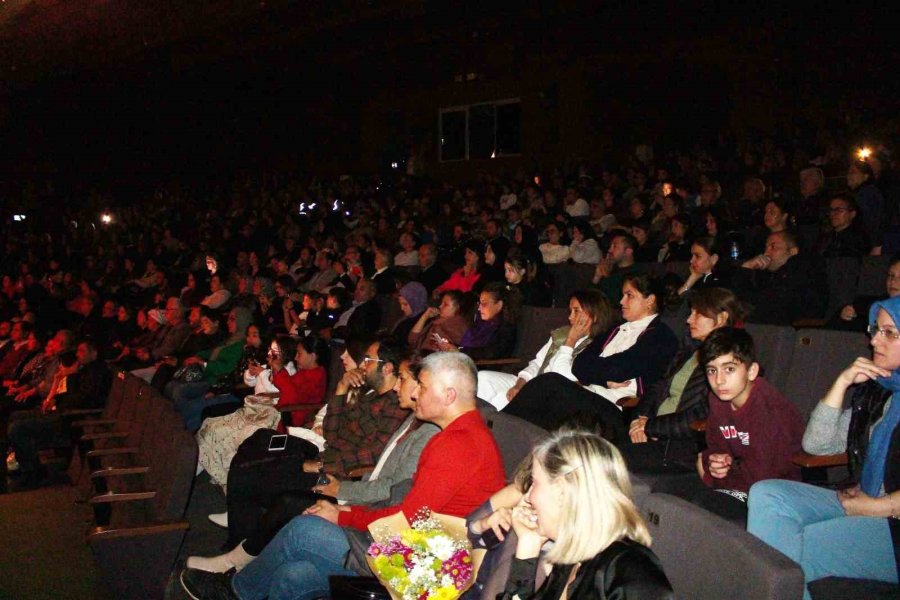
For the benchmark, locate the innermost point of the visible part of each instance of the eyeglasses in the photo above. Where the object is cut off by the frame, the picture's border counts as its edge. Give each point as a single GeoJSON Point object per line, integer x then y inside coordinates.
{"type": "Point", "coordinates": [889, 334]}
{"type": "Point", "coordinates": [370, 359]}
{"type": "Point", "coordinates": [838, 209]}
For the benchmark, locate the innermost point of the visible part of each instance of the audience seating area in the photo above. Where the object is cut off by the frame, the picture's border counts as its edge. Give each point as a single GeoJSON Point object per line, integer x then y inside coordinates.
{"type": "Point", "coordinates": [135, 466]}
{"type": "Point", "coordinates": [138, 468]}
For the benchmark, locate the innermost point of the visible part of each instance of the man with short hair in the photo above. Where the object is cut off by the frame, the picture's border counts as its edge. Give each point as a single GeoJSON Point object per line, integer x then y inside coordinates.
{"type": "Point", "coordinates": [619, 263]}
{"type": "Point", "coordinates": [383, 277]}
{"type": "Point", "coordinates": [363, 317]}
{"type": "Point", "coordinates": [458, 470]}
{"type": "Point", "coordinates": [782, 284]}
{"type": "Point", "coordinates": [431, 275]}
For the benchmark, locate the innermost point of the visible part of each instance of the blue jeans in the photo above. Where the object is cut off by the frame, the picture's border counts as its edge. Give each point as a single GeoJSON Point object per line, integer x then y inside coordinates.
{"type": "Point", "coordinates": [809, 525]}
{"type": "Point", "coordinates": [188, 400]}
{"type": "Point", "coordinates": [296, 563]}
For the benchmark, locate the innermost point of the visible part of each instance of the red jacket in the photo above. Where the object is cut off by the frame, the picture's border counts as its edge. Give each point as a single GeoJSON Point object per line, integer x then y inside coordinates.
{"type": "Point", "coordinates": [458, 470]}
{"type": "Point", "coordinates": [306, 386]}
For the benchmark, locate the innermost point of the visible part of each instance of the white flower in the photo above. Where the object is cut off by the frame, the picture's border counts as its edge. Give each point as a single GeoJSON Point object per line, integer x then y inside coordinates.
{"type": "Point", "coordinates": [442, 547]}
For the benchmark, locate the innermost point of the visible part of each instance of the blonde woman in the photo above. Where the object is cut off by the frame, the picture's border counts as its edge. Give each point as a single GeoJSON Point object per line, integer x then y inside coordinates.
{"type": "Point", "coordinates": [580, 498]}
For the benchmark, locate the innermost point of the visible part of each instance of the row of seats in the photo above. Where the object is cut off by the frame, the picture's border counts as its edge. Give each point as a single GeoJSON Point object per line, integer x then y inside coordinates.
{"type": "Point", "coordinates": [847, 278]}
{"type": "Point", "coordinates": [135, 466]}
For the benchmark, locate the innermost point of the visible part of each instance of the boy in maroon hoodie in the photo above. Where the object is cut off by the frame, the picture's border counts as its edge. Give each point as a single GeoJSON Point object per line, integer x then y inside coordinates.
{"type": "Point", "coordinates": [752, 431]}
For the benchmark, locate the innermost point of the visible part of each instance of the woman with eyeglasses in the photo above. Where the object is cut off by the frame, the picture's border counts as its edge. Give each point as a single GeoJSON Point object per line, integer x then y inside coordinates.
{"type": "Point", "coordinates": [853, 532]}
{"type": "Point", "coordinates": [219, 437]}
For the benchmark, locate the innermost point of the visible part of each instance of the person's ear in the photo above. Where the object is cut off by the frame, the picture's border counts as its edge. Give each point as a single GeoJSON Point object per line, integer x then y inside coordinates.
{"type": "Point", "coordinates": [753, 371]}
{"type": "Point", "coordinates": [449, 396]}
{"type": "Point", "coordinates": [721, 319]}
{"type": "Point", "coordinates": [713, 258]}
{"type": "Point", "coordinates": [793, 251]}
{"type": "Point", "coordinates": [388, 369]}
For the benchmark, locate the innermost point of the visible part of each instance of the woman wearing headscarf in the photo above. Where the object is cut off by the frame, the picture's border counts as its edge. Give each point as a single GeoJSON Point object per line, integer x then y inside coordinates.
{"type": "Point", "coordinates": [854, 532]}
{"type": "Point", "coordinates": [216, 364]}
{"type": "Point", "coordinates": [413, 300]}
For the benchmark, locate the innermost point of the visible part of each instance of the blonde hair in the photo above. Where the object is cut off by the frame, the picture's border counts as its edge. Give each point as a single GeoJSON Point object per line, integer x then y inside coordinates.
{"type": "Point", "coordinates": [596, 508]}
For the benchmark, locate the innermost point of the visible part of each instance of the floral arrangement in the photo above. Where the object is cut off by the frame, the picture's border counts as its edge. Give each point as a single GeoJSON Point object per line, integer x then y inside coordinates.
{"type": "Point", "coordinates": [423, 561]}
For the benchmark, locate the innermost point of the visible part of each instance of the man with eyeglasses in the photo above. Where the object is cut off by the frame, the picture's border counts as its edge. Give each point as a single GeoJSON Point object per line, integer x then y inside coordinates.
{"type": "Point", "coordinates": [847, 236]}
{"type": "Point", "coordinates": [783, 284]}
{"type": "Point", "coordinates": [358, 425]}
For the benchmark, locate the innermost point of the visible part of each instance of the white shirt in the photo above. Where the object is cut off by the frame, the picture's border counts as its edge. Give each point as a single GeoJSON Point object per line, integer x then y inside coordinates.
{"type": "Point", "coordinates": [560, 363]}
{"type": "Point", "coordinates": [624, 339]}
{"type": "Point", "coordinates": [554, 253]}
{"type": "Point", "coordinates": [579, 208]}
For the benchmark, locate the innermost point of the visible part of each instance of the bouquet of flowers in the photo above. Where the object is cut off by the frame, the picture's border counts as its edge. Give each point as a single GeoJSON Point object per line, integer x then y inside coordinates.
{"type": "Point", "coordinates": [430, 559]}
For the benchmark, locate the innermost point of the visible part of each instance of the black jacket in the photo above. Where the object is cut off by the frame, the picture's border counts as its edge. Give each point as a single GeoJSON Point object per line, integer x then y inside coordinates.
{"type": "Point", "coordinates": [645, 361]}
{"type": "Point", "coordinates": [798, 290]}
{"type": "Point", "coordinates": [625, 569]}
{"type": "Point", "coordinates": [88, 388]}
{"type": "Point", "coordinates": [692, 407]}
{"type": "Point", "coordinates": [867, 405]}
{"type": "Point", "coordinates": [502, 346]}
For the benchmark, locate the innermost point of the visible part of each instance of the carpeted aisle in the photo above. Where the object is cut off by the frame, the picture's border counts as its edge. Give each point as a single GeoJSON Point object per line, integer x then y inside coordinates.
{"type": "Point", "coordinates": [44, 553]}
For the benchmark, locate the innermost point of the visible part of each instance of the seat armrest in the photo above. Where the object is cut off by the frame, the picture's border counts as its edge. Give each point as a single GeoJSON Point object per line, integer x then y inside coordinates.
{"type": "Point", "coordinates": [296, 407]}
{"type": "Point", "coordinates": [498, 362]}
{"type": "Point", "coordinates": [812, 461]}
{"type": "Point", "coordinates": [110, 497]}
{"type": "Point", "coordinates": [106, 532]}
{"type": "Point", "coordinates": [77, 412]}
{"type": "Point", "coordinates": [118, 471]}
{"type": "Point", "coordinates": [628, 402]}
{"type": "Point", "coordinates": [698, 425]}
{"type": "Point", "coordinates": [107, 435]}
{"type": "Point", "coordinates": [112, 451]}
{"type": "Point", "coordinates": [93, 422]}
{"type": "Point", "coordinates": [358, 472]}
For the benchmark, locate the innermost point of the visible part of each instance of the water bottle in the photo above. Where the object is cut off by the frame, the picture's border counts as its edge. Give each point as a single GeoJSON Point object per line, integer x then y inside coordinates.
{"type": "Point", "coordinates": [735, 251]}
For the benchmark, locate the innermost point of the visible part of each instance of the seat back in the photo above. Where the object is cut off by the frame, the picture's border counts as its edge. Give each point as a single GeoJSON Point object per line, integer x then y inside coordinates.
{"type": "Point", "coordinates": [534, 327]}
{"type": "Point", "coordinates": [117, 390]}
{"type": "Point", "coordinates": [872, 276]}
{"type": "Point", "coordinates": [774, 351]}
{"type": "Point", "coordinates": [515, 438]}
{"type": "Point", "coordinates": [843, 274]}
{"type": "Point", "coordinates": [707, 558]}
{"type": "Point", "coordinates": [819, 357]}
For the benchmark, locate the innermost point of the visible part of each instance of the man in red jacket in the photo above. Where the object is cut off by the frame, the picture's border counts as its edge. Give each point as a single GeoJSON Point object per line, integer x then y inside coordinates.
{"type": "Point", "coordinates": [458, 470]}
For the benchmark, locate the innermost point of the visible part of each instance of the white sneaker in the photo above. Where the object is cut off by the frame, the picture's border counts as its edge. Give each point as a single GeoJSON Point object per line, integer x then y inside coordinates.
{"type": "Point", "coordinates": [12, 465]}
{"type": "Point", "coordinates": [220, 519]}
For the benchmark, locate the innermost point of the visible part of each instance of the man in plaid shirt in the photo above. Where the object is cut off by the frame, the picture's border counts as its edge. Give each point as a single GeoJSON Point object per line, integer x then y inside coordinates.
{"type": "Point", "coordinates": [359, 423]}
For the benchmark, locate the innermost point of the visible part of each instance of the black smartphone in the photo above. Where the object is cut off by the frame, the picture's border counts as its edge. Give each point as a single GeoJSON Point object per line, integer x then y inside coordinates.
{"type": "Point", "coordinates": [277, 442]}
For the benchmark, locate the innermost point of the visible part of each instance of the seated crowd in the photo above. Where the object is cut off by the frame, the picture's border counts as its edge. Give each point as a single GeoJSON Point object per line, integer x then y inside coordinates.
{"type": "Point", "coordinates": [417, 291]}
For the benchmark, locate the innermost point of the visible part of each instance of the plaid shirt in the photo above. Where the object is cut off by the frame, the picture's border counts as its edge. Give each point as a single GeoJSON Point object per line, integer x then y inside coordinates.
{"type": "Point", "coordinates": [357, 432]}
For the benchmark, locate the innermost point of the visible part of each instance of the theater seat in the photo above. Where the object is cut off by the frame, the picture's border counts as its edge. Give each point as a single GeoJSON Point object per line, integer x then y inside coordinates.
{"type": "Point", "coordinates": [819, 356]}
{"type": "Point", "coordinates": [707, 558]}
{"type": "Point", "coordinates": [840, 588]}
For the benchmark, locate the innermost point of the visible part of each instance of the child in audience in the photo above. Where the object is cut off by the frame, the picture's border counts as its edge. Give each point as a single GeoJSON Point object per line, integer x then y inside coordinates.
{"type": "Point", "coordinates": [752, 431]}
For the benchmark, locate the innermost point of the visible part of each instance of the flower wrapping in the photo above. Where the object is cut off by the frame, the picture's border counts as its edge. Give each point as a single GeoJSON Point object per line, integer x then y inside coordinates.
{"type": "Point", "coordinates": [428, 559]}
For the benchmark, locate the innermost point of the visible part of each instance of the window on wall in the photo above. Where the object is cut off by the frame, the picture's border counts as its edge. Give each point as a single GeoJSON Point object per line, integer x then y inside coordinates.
{"type": "Point", "coordinates": [480, 131]}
